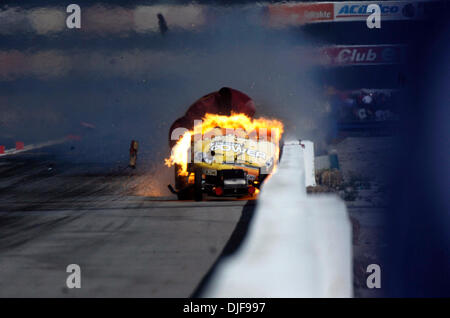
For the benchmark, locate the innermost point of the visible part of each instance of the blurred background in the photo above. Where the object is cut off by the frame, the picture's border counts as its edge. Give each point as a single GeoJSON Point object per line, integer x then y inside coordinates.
{"type": "Point", "coordinates": [135, 66]}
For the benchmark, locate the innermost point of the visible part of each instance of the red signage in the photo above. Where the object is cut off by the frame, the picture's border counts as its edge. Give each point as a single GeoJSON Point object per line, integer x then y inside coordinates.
{"type": "Point", "coordinates": [363, 55]}
{"type": "Point", "coordinates": [300, 13]}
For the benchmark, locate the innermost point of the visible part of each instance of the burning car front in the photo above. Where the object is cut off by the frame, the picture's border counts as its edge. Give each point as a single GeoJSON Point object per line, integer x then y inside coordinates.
{"type": "Point", "coordinates": [226, 161]}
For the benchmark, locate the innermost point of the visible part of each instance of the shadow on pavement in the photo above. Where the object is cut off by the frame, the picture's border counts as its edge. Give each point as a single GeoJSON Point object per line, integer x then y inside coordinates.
{"type": "Point", "coordinates": [231, 247]}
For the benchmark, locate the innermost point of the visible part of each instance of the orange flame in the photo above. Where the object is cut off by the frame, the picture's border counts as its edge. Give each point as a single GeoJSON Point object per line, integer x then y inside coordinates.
{"type": "Point", "coordinates": [241, 123]}
{"type": "Point", "coordinates": [180, 154]}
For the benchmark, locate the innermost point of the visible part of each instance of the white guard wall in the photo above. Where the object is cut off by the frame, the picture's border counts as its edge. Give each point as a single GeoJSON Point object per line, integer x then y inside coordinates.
{"type": "Point", "coordinates": [297, 245]}
{"type": "Point", "coordinates": [308, 157]}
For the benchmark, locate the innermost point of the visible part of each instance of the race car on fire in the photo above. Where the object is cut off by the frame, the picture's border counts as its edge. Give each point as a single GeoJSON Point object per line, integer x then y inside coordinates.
{"type": "Point", "coordinates": [225, 156]}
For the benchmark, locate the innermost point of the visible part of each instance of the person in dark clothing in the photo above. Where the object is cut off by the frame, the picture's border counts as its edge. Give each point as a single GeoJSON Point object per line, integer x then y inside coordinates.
{"type": "Point", "coordinates": [133, 154]}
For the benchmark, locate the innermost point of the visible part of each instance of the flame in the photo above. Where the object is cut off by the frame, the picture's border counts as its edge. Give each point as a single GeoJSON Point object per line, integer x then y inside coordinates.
{"type": "Point", "coordinates": [236, 121]}
{"type": "Point", "coordinates": [243, 124]}
{"type": "Point", "coordinates": [180, 153]}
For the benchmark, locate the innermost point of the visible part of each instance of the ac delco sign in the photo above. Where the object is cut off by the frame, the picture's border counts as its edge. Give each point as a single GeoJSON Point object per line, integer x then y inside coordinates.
{"type": "Point", "coordinates": [300, 13]}
{"type": "Point", "coordinates": [390, 10]}
{"type": "Point", "coordinates": [363, 55]}
{"type": "Point", "coordinates": [351, 10]}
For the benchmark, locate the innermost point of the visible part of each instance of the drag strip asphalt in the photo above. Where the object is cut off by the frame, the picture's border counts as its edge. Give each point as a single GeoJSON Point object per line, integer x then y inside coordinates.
{"type": "Point", "coordinates": [53, 215]}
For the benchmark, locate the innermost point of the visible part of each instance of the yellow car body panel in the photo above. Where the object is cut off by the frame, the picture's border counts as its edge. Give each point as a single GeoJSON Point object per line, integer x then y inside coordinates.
{"type": "Point", "coordinates": [232, 152]}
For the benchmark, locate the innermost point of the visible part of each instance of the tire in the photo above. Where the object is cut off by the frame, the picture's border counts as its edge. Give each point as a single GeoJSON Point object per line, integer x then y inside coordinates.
{"type": "Point", "coordinates": [198, 192]}
{"type": "Point", "coordinates": [186, 193]}
{"type": "Point", "coordinates": [261, 178]}
{"type": "Point", "coordinates": [180, 182]}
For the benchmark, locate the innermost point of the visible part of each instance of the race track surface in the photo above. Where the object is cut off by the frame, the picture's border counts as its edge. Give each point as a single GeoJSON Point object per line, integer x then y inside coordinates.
{"type": "Point", "coordinates": [53, 214]}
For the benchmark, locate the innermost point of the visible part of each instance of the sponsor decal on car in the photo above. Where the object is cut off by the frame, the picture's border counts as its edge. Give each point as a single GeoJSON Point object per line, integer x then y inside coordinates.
{"type": "Point", "coordinates": [210, 172]}
{"type": "Point", "coordinates": [236, 148]}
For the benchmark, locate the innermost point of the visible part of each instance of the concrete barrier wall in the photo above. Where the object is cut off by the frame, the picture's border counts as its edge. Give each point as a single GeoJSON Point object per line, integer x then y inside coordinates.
{"type": "Point", "coordinates": [21, 147]}
{"type": "Point", "coordinates": [297, 245]}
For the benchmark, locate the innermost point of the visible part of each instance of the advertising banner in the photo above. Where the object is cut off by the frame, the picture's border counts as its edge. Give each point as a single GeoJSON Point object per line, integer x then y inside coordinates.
{"type": "Point", "coordinates": [299, 13]}
{"type": "Point", "coordinates": [390, 10]}
{"type": "Point", "coordinates": [343, 55]}
{"type": "Point", "coordinates": [292, 14]}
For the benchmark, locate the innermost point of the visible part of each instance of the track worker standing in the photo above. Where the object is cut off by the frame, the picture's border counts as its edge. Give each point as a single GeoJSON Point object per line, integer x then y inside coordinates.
{"type": "Point", "coordinates": [133, 153]}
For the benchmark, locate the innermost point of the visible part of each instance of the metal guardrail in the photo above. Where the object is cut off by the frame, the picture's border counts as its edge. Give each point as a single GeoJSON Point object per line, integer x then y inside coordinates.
{"type": "Point", "coordinates": [25, 148]}
{"type": "Point", "coordinates": [297, 245]}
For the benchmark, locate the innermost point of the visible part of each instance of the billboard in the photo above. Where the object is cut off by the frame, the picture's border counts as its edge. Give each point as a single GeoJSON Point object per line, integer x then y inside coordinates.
{"type": "Point", "coordinates": [390, 10]}
{"type": "Point", "coordinates": [343, 55]}
{"type": "Point", "coordinates": [299, 13]}
{"type": "Point", "coordinates": [292, 14]}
